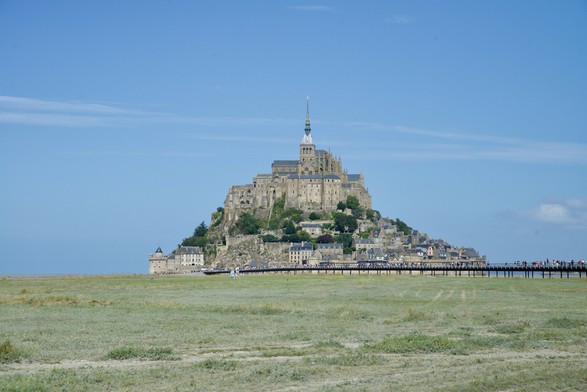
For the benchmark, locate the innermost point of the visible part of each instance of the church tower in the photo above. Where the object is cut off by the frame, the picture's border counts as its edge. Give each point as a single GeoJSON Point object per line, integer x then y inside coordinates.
{"type": "Point", "coordinates": [307, 148]}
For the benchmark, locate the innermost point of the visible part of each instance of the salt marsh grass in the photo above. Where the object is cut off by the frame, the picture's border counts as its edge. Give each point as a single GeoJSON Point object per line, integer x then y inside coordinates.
{"type": "Point", "coordinates": [303, 332]}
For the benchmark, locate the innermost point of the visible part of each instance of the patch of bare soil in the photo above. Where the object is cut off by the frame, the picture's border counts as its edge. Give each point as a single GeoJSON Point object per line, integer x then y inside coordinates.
{"type": "Point", "coordinates": [218, 353]}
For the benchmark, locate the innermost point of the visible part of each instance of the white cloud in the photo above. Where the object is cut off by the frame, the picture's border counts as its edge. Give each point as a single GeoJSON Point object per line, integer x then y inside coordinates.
{"type": "Point", "coordinates": [173, 154]}
{"type": "Point", "coordinates": [465, 146]}
{"type": "Point", "coordinates": [29, 111]}
{"type": "Point", "coordinates": [416, 145]}
{"type": "Point", "coordinates": [32, 104]}
{"type": "Point", "coordinates": [570, 213]}
{"type": "Point", "coordinates": [553, 213]}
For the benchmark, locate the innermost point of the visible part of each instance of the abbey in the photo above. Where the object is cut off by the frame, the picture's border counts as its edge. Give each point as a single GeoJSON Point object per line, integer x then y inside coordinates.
{"type": "Point", "coordinates": [315, 184]}
{"type": "Point", "coordinates": [316, 181]}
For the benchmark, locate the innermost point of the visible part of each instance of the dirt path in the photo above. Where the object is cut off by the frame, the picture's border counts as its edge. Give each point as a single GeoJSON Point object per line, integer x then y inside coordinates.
{"type": "Point", "coordinates": [244, 356]}
{"type": "Point", "coordinates": [219, 354]}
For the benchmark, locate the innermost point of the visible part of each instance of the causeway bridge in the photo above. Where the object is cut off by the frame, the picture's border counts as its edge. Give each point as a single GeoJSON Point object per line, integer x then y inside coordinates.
{"type": "Point", "coordinates": [575, 271]}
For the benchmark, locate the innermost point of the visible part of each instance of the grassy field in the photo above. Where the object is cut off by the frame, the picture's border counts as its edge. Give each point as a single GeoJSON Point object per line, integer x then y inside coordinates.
{"type": "Point", "coordinates": [285, 332]}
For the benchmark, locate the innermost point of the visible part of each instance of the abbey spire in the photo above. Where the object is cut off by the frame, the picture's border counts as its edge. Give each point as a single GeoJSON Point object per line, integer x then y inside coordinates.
{"type": "Point", "coordinates": [308, 131]}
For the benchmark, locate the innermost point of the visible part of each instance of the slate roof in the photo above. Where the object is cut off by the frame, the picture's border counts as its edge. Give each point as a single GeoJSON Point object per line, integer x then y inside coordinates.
{"type": "Point", "coordinates": [302, 246]}
{"type": "Point", "coordinates": [285, 163]}
{"type": "Point", "coordinates": [187, 250]}
{"type": "Point", "coordinates": [470, 252]}
{"type": "Point", "coordinates": [354, 177]}
{"type": "Point", "coordinates": [305, 176]}
{"type": "Point", "coordinates": [311, 225]}
{"type": "Point", "coordinates": [336, 245]}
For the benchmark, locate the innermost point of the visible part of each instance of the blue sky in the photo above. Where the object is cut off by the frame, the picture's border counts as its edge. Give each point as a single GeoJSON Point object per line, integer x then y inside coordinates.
{"type": "Point", "coordinates": [123, 124]}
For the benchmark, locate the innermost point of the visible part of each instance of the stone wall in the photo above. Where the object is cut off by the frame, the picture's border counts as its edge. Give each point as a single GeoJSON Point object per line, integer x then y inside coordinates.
{"type": "Point", "coordinates": [245, 248]}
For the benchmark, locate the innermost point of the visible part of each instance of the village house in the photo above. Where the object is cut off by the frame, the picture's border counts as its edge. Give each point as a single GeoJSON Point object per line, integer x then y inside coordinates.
{"type": "Point", "coordinates": [184, 259]}
{"type": "Point", "coordinates": [314, 229]}
{"type": "Point", "coordinates": [300, 253]}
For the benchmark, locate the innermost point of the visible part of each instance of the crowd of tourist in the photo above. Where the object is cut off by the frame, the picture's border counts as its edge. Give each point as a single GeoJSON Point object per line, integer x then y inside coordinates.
{"type": "Point", "coordinates": [550, 264]}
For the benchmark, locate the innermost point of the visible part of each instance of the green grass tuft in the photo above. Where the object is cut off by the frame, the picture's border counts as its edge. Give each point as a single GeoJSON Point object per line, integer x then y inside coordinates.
{"type": "Point", "coordinates": [414, 344]}
{"type": "Point", "coordinates": [330, 343]}
{"type": "Point", "coordinates": [565, 322]}
{"type": "Point", "coordinates": [414, 315]}
{"type": "Point", "coordinates": [217, 365]}
{"type": "Point", "coordinates": [9, 353]}
{"type": "Point", "coordinates": [148, 354]}
{"type": "Point", "coordinates": [355, 358]}
{"type": "Point", "coordinates": [511, 327]}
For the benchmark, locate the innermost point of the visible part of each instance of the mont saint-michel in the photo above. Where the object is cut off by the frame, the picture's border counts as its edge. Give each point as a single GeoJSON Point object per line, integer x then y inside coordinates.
{"type": "Point", "coordinates": [307, 211]}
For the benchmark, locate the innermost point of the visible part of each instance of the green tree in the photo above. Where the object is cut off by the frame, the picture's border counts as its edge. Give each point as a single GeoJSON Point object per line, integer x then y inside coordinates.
{"type": "Point", "coordinates": [290, 238]}
{"type": "Point", "coordinates": [195, 241]}
{"type": "Point", "coordinates": [201, 230]}
{"type": "Point", "coordinates": [358, 212]}
{"type": "Point", "coordinates": [294, 214]}
{"type": "Point", "coordinates": [200, 237]}
{"type": "Point", "coordinates": [325, 239]}
{"type": "Point", "coordinates": [403, 227]}
{"type": "Point", "coordinates": [341, 206]}
{"type": "Point", "coordinates": [247, 224]}
{"type": "Point", "coordinates": [314, 216]}
{"type": "Point", "coordinates": [352, 202]}
{"type": "Point", "coordinates": [303, 236]}
{"type": "Point", "coordinates": [269, 238]}
{"type": "Point", "coordinates": [289, 227]}
{"type": "Point", "coordinates": [279, 204]}
{"type": "Point", "coordinates": [276, 216]}
{"type": "Point", "coordinates": [346, 240]}
{"type": "Point", "coordinates": [345, 223]}
{"type": "Point", "coordinates": [217, 216]}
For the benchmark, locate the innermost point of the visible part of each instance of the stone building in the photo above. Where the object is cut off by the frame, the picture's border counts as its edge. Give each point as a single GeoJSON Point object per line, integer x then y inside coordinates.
{"type": "Point", "coordinates": [189, 256]}
{"type": "Point", "coordinates": [316, 181]}
{"type": "Point", "coordinates": [157, 262]}
{"type": "Point", "coordinates": [300, 253]}
{"type": "Point", "coordinates": [330, 252]}
{"type": "Point", "coordinates": [314, 229]}
{"type": "Point", "coordinates": [184, 259]}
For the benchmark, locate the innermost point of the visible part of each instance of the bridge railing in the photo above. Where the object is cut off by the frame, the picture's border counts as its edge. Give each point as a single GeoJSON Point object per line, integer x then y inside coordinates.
{"type": "Point", "coordinates": [509, 271]}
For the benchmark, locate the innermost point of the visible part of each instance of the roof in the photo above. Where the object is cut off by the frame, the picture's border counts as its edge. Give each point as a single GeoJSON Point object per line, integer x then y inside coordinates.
{"type": "Point", "coordinates": [354, 177]}
{"type": "Point", "coordinates": [189, 250]}
{"type": "Point", "coordinates": [158, 250]}
{"type": "Point", "coordinates": [470, 252]}
{"type": "Point", "coordinates": [285, 163]}
{"type": "Point", "coordinates": [336, 245]}
{"type": "Point", "coordinates": [302, 246]}
{"type": "Point", "coordinates": [305, 176]}
{"type": "Point", "coordinates": [377, 252]}
{"type": "Point", "coordinates": [332, 176]}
